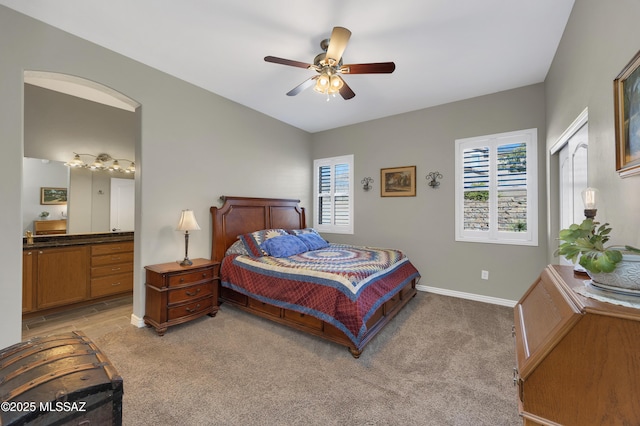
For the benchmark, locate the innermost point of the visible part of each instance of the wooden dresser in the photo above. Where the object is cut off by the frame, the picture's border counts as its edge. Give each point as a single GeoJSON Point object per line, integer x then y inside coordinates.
{"type": "Point", "coordinates": [176, 294]}
{"type": "Point", "coordinates": [49, 227]}
{"type": "Point", "coordinates": [577, 359]}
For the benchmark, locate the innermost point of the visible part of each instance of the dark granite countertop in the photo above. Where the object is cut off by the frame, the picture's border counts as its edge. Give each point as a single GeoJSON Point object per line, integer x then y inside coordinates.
{"type": "Point", "coordinates": [44, 241]}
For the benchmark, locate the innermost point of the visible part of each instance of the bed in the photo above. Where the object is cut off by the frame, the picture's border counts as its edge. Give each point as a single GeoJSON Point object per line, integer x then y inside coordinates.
{"type": "Point", "coordinates": [304, 290]}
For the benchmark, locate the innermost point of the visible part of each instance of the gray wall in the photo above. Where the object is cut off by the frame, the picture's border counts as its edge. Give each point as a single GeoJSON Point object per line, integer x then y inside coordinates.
{"type": "Point", "coordinates": [57, 125]}
{"type": "Point", "coordinates": [600, 39]}
{"type": "Point", "coordinates": [423, 226]}
{"type": "Point", "coordinates": [191, 147]}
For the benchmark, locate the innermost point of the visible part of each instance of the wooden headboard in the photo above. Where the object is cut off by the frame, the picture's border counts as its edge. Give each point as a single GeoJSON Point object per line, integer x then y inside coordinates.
{"type": "Point", "coordinates": [240, 215]}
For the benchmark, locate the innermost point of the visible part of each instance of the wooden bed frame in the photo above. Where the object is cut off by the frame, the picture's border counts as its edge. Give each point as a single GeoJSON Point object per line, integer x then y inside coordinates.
{"type": "Point", "coordinates": [241, 215]}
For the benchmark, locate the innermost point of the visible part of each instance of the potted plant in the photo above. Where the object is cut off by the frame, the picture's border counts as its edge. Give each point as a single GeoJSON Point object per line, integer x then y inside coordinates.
{"type": "Point", "coordinates": [608, 266]}
{"type": "Point", "coordinates": [44, 215]}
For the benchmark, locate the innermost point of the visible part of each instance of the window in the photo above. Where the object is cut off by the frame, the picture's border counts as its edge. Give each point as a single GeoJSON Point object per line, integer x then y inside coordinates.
{"type": "Point", "coordinates": [333, 199]}
{"type": "Point", "coordinates": [496, 188]}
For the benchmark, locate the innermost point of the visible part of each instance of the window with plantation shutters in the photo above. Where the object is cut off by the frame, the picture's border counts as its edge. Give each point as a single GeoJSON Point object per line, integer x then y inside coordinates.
{"type": "Point", "coordinates": [333, 201]}
{"type": "Point", "coordinates": [496, 189]}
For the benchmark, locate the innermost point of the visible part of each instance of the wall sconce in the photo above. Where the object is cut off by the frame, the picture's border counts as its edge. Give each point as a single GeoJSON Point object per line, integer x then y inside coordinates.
{"type": "Point", "coordinates": [433, 179]}
{"type": "Point", "coordinates": [365, 183]}
{"type": "Point", "coordinates": [99, 163]}
{"type": "Point", "coordinates": [187, 223]}
{"type": "Point", "coordinates": [589, 198]}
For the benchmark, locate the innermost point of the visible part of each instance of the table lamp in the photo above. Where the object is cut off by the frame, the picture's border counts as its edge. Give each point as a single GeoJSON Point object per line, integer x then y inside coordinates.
{"type": "Point", "coordinates": [187, 223]}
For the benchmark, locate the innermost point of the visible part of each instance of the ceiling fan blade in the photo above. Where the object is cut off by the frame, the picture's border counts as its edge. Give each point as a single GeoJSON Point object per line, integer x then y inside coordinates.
{"type": "Point", "coordinates": [345, 90]}
{"type": "Point", "coordinates": [288, 62]}
{"type": "Point", "coordinates": [303, 86]}
{"type": "Point", "coordinates": [373, 68]}
{"type": "Point", "coordinates": [337, 43]}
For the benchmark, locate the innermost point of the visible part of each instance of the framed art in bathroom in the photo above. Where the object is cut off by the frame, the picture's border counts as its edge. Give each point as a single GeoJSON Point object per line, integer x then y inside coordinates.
{"type": "Point", "coordinates": [49, 195]}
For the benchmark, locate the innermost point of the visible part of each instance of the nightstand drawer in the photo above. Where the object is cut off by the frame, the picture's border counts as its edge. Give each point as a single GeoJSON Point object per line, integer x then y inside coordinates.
{"type": "Point", "coordinates": [193, 308]}
{"type": "Point", "coordinates": [190, 293]}
{"type": "Point", "coordinates": [190, 278]}
{"type": "Point", "coordinates": [112, 284]}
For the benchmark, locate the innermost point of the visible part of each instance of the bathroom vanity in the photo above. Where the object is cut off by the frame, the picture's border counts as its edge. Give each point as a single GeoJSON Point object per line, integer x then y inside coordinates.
{"type": "Point", "coordinates": [61, 271]}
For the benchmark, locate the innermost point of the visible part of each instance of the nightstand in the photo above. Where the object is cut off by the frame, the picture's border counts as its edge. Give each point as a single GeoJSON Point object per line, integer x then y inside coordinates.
{"type": "Point", "coordinates": [176, 294]}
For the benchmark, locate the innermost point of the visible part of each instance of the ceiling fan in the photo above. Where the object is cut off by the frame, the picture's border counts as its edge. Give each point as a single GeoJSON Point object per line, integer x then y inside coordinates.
{"type": "Point", "coordinates": [329, 66]}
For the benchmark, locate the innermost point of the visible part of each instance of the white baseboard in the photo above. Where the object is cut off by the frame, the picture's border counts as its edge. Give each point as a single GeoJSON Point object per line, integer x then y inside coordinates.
{"type": "Point", "coordinates": [137, 321]}
{"type": "Point", "coordinates": [469, 296]}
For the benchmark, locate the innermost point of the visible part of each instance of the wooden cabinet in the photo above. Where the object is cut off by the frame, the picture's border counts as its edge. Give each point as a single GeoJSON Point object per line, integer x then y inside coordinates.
{"type": "Point", "coordinates": [59, 276]}
{"type": "Point", "coordinates": [111, 268]}
{"type": "Point", "coordinates": [577, 359]}
{"type": "Point", "coordinates": [28, 290]}
{"type": "Point", "coordinates": [62, 276]}
{"type": "Point", "coordinates": [176, 294]}
{"type": "Point", "coordinates": [49, 227]}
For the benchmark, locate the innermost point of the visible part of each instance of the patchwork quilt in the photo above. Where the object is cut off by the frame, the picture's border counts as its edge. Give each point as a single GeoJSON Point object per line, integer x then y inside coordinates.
{"type": "Point", "coordinates": [340, 284]}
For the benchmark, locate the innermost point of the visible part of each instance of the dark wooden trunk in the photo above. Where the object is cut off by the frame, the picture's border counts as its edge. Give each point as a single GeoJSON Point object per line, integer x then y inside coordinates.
{"type": "Point", "coordinates": [59, 380]}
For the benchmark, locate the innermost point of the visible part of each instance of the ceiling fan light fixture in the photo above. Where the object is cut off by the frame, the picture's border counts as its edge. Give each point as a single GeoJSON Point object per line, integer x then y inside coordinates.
{"type": "Point", "coordinates": [336, 82]}
{"type": "Point", "coordinates": [329, 64]}
{"type": "Point", "coordinates": [322, 83]}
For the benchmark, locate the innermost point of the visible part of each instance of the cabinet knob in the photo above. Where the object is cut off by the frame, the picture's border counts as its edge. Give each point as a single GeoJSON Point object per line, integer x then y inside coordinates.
{"type": "Point", "coordinates": [181, 280]}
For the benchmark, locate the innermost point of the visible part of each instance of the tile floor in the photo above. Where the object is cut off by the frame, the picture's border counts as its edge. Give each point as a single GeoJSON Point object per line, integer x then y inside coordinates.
{"type": "Point", "coordinates": [94, 320]}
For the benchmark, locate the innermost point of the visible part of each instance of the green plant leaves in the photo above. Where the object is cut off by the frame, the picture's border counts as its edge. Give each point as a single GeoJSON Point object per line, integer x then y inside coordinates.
{"type": "Point", "coordinates": [586, 242]}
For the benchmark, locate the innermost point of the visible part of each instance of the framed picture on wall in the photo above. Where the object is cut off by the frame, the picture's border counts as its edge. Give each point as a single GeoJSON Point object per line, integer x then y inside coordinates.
{"type": "Point", "coordinates": [50, 195]}
{"type": "Point", "coordinates": [626, 93]}
{"type": "Point", "coordinates": [398, 181]}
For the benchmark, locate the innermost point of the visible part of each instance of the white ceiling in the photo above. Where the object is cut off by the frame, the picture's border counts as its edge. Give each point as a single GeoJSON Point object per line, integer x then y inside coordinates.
{"type": "Point", "coordinates": [444, 50]}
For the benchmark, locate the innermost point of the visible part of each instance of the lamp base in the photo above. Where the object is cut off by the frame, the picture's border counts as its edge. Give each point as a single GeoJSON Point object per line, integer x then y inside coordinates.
{"type": "Point", "coordinates": [186, 262]}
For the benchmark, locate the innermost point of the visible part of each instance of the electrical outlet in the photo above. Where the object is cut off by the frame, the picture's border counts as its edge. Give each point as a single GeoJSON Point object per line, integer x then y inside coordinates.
{"type": "Point", "coordinates": [484, 275]}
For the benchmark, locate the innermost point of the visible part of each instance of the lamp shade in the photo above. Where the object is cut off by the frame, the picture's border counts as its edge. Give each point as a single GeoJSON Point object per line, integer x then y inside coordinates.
{"type": "Point", "coordinates": [187, 221]}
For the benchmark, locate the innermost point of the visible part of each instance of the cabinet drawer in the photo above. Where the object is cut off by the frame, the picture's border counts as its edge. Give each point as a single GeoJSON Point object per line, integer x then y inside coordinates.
{"type": "Point", "coordinates": [119, 268]}
{"type": "Point", "coordinates": [306, 320]}
{"type": "Point", "coordinates": [192, 308]}
{"type": "Point", "coordinates": [391, 303]}
{"type": "Point", "coordinates": [263, 307]}
{"type": "Point", "coordinates": [191, 277]}
{"type": "Point", "coordinates": [233, 296]}
{"type": "Point", "coordinates": [100, 249]}
{"type": "Point", "coordinates": [190, 293]}
{"type": "Point", "coordinates": [110, 259]}
{"type": "Point", "coordinates": [111, 284]}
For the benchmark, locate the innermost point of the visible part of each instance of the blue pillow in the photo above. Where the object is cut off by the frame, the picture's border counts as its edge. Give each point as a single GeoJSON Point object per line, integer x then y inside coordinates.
{"type": "Point", "coordinates": [313, 241]}
{"type": "Point", "coordinates": [284, 246]}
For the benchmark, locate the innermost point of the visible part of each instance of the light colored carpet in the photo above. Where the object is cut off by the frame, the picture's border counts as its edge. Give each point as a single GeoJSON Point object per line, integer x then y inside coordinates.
{"type": "Point", "coordinates": [441, 361]}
